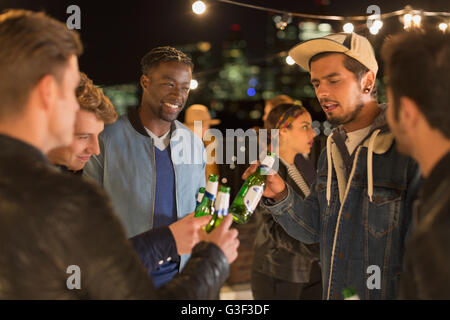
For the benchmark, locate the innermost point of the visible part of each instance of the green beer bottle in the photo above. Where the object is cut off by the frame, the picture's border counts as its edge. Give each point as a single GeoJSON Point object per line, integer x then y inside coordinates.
{"type": "Point", "coordinates": [350, 294]}
{"type": "Point", "coordinates": [221, 209]}
{"type": "Point", "coordinates": [251, 192]}
{"type": "Point", "coordinates": [201, 193]}
{"type": "Point", "coordinates": [206, 207]}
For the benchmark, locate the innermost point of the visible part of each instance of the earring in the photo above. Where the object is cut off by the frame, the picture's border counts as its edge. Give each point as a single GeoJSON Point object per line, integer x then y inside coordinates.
{"type": "Point", "coordinates": [366, 90]}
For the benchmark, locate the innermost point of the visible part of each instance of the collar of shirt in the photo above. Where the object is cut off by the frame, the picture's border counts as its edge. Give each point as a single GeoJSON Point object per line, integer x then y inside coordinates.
{"type": "Point", "coordinates": [354, 138]}
{"type": "Point", "coordinates": [160, 142]}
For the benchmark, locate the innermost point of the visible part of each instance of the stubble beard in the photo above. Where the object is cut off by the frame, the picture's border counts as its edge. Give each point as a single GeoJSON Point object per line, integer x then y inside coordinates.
{"type": "Point", "coordinates": [345, 119]}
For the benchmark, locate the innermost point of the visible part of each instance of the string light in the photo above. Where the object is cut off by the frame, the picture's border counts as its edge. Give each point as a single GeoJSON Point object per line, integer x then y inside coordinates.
{"type": "Point", "coordinates": [405, 11]}
{"type": "Point", "coordinates": [408, 16]}
{"type": "Point", "coordinates": [443, 26]}
{"type": "Point", "coordinates": [407, 20]}
{"type": "Point", "coordinates": [417, 19]}
{"type": "Point", "coordinates": [199, 7]}
{"type": "Point", "coordinates": [348, 27]}
{"type": "Point", "coordinates": [290, 61]}
{"type": "Point", "coordinates": [194, 84]}
{"type": "Point", "coordinates": [281, 22]}
{"type": "Point", "coordinates": [376, 26]}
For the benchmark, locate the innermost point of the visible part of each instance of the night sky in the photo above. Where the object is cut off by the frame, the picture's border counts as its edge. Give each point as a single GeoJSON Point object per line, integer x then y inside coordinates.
{"type": "Point", "coordinates": [117, 34]}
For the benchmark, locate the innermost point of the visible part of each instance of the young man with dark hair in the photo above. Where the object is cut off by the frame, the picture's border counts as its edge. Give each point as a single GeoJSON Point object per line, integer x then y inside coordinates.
{"type": "Point", "coordinates": [50, 221]}
{"type": "Point", "coordinates": [146, 165]}
{"type": "Point", "coordinates": [359, 206]}
{"type": "Point", "coordinates": [418, 89]}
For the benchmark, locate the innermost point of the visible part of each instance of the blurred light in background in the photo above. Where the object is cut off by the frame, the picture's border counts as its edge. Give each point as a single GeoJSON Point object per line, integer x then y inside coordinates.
{"type": "Point", "coordinates": [290, 61]}
{"type": "Point", "coordinates": [348, 27]}
{"type": "Point", "coordinates": [199, 7]}
{"type": "Point", "coordinates": [194, 84]}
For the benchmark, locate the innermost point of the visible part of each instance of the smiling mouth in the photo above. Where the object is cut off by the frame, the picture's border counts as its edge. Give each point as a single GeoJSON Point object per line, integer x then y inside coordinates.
{"type": "Point", "coordinates": [172, 106]}
{"type": "Point", "coordinates": [329, 106]}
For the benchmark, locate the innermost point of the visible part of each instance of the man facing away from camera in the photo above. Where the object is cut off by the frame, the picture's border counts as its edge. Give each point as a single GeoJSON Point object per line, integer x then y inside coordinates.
{"type": "Point", "coordinates": [418, 89]}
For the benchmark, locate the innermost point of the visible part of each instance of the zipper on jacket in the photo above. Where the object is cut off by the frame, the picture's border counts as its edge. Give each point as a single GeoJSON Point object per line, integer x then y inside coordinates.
{"type": "Point", "coordinates": [175, 174]}
{"type": "Point", "coordinates": [152, 216]}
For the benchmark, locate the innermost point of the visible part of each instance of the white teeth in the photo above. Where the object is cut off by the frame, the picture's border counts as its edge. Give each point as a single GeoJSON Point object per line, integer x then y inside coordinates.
{"type": "Point", "coordinates": [173, 106]}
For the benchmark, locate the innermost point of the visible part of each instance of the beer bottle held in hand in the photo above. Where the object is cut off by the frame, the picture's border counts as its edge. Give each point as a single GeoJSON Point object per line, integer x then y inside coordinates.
{"type": "Point", "coordinates": [251, 192]}
{"type": "Point", "coordinates": [201, 193]}
{"type": "Point", "coordinates": [221, 208]}
{"type": "Point", "coordinates": [206, 207]}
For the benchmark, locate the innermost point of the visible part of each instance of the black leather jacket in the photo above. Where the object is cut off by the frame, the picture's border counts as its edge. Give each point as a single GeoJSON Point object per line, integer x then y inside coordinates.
{"type": "Point", "coordinates": [427, 258]}
{"type": "Point", "coordinates": [50, 221]}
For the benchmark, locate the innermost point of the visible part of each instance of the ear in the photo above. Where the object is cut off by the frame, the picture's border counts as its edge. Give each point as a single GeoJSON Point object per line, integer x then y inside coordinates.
{"type": "Point", "coordinates": [409, 114]}
{"type": "Point", "coordinates": [368, 82]}
{"type": "Point", "coordinates": [282, 132]}
{"type": "Point", "coordinates": [47, 90]}
{"type": "Point", "coordinates": [144, 81]}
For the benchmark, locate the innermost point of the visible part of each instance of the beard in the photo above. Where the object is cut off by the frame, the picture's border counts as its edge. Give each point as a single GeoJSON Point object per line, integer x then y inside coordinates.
{"type": "Point", "coordinates": [335, 121]}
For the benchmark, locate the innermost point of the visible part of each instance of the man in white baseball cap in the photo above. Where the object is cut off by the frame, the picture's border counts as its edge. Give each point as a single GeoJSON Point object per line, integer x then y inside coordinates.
{"type": "Point", "coordinates": [359, 207]}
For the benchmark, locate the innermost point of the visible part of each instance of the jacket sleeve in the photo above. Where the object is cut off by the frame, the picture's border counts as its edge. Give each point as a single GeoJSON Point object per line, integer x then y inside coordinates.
{"type": "Point", "coordinates": [95, 166]}
{"type": "Point", "coordinates": [300, 218]}
{"type": "Point", "coordinates": [155, 247]}
{"type": "Point", "coordinates": [426, 274]}
{"type": "Point", "coordinates": [201, 278]}
{"type": "Point", "coordinates": [110, 268]}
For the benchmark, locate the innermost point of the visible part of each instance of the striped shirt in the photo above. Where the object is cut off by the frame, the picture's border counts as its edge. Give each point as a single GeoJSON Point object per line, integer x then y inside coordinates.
{"type": "Point", "coordinates": [297, 177]}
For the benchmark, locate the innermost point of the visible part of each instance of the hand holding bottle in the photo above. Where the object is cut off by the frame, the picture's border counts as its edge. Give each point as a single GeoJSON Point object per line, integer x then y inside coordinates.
{"type": "Point", "coordinates": [275, 185]}
{"type": "Point", "coordinates": [225, 238]}
{"type": "Point", "coordinates": [186, 232]}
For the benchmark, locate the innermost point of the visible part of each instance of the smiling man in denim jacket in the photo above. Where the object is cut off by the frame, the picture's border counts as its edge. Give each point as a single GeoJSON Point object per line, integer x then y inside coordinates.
{"type": "Point", "coordinates": [359, 206]}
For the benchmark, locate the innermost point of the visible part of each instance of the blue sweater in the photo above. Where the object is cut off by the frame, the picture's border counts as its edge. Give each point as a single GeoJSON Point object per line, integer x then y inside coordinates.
{"type": "Point", "coordinates": [165, 210]}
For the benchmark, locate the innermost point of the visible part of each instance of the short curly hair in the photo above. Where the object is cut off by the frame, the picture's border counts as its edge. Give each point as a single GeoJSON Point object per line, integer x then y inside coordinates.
{"type": "Point", "coordinates": [164, 54]}
{"type": "Point", "coordinates": [92, 99]}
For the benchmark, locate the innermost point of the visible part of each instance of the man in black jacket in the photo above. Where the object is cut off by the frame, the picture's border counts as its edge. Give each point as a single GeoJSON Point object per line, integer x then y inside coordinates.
{"type": "Point", "coordinates": [52, 223]}
{"type": "Point", "coordinates": [417, 71]}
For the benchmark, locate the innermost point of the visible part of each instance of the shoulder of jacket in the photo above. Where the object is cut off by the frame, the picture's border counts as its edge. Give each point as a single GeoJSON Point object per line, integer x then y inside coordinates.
{"type": "Point", "coordinates": [186, 131]}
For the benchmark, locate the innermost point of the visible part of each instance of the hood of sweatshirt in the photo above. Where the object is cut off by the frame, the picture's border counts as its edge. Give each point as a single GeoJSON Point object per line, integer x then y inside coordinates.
{"type": "Point", "coordinates": [379, 140]}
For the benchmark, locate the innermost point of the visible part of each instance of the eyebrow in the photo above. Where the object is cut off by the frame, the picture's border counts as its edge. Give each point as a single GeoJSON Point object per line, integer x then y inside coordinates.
{"type": "Point", "coordinates": [331, 75]}
{"type": "Point", "coordinates": [166, 77]}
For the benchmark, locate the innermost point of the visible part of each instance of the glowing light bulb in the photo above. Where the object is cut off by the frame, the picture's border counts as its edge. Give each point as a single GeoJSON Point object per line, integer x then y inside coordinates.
{"type": "Point", "coordinates": [407, 19]}
{"type": "Point", "coordinates": [199, 7]}
{"type": "Point", "coordinates": [376, 26]}
{"type": "Point", "coordinates": [194, 84]}
{"type": "Point", "coordinates": [443, 26]}
{"type": "Point", "coordinates": [348, 27]}
{"type": "Point", "coordinates": [290, 61]}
